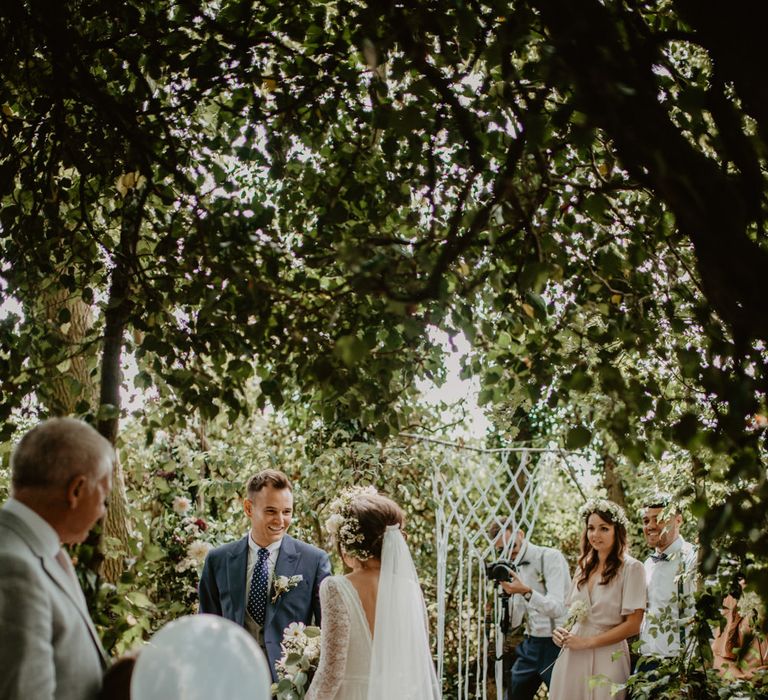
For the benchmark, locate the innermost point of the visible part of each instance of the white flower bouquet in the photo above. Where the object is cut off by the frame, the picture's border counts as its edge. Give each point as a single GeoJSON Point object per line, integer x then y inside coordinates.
{"type": "Point", "coordinates": [577, 613]}
{"type": "Point", "coordinates": [301, 654]}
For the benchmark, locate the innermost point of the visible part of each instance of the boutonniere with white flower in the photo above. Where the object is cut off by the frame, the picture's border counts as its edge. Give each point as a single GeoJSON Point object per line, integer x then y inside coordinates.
{"type": "Point", "coordinates": [283, 584]}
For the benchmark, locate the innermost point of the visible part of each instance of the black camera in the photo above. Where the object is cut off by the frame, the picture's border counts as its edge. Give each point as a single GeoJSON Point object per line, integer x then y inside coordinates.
{"type": "Point", "coordinates": [500, 570]}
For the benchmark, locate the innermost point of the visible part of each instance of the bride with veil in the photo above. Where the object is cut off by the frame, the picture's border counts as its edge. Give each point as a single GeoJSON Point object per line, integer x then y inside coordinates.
{"type": "Point", "coordinates": [375, 643]}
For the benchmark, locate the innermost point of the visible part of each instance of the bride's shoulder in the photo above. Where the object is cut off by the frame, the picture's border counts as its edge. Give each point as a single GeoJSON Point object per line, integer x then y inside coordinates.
{"type": "Point", "coordinates": [332, 583]}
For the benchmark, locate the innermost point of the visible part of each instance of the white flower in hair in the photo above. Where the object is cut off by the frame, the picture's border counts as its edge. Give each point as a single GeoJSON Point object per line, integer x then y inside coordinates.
{"type": "Point", "coordinates": [334, 523]}
{"type": "Point", "coordinates": [603, 505]}
{"type": "Point", "coordinates": [343, 527]}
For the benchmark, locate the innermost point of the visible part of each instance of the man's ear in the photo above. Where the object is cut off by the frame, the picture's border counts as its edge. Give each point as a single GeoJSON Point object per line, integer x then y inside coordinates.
{"type": "Point", "coordinates": [75, 490]}
{"type": "Point", "coordinates": [247, 506]}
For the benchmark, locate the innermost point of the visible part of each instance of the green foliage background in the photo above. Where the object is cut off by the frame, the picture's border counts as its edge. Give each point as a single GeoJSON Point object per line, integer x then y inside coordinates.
{"type": "Point", "coordinates": [295, 195]}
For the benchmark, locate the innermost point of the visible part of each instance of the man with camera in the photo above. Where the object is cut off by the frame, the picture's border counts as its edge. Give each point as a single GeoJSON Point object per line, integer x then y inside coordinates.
{"type": "Point", "coordinates": [536, 580]}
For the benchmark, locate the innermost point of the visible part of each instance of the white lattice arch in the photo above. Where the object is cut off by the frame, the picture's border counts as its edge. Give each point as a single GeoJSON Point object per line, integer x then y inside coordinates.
{"type": "Point", "coordinates": [501, 485]}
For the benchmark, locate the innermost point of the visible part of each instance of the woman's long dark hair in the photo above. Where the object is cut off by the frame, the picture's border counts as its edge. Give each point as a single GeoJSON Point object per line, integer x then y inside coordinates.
{"type": "Point", "coordinates": [588, 558]}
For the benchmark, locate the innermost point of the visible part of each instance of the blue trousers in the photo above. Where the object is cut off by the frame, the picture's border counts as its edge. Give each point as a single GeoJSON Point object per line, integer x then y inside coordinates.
{"type": "Point", "coordinates": [532, 667]}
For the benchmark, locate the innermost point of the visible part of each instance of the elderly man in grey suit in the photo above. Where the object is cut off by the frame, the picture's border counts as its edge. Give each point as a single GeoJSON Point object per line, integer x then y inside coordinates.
{"type": "Point", "coordinates": [61, 475]}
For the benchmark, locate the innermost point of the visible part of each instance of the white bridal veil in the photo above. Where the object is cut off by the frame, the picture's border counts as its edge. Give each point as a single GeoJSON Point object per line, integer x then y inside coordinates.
{"type": "Point", "coordinates": [401, 661]}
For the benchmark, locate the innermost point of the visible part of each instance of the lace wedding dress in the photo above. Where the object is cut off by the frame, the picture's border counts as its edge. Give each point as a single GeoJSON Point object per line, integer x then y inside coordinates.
{"type": "Point", "coordinates": [345, 655]}
{"type": "Point", "coordinates": [396, 663]}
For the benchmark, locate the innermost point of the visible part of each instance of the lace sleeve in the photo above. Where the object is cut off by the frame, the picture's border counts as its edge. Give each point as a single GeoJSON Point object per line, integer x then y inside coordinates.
{"type": "Point", "coordinates": [334, 645]}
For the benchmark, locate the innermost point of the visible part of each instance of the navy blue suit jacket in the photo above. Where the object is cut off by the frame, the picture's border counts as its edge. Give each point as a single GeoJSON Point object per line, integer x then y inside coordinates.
{"type": "Point", "coordinates": [223, 585]}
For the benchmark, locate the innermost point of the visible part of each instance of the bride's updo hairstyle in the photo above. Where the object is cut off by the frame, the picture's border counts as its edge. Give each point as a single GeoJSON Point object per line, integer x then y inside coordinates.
{"type": "Point", "coordinates": [358, 519]}
{"type": "Point", "coordinates": [374, 514]}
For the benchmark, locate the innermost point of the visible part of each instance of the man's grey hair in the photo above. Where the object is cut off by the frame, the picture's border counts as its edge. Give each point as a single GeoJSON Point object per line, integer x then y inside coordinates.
{"type": "Point", "coordinates": [55, 451]}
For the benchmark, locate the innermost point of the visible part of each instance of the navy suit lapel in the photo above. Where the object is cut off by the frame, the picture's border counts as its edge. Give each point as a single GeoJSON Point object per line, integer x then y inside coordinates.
{"type": "Point", "coordinates": [286, 565]}
{"type": "Point", "coordinates": [237, 567]}
{"type": "Point", "coordinates": [287, 557]}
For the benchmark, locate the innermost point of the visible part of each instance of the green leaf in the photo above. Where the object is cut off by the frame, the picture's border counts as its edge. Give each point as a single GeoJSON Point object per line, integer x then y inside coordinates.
{"type": "Point", "coordinates": [578, 437]}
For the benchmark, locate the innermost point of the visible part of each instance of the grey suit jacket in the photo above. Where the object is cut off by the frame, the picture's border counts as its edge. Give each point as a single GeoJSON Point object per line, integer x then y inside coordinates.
{"type": "Point", "coordinates": [222, 588]}
{"type": "Point", "coordinates": [49, 648]}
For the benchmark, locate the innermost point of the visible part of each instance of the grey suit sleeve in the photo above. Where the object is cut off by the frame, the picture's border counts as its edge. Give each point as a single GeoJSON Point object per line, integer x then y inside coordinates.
{"type": "Point", "coordinates": [26, 650]}
{"type": "Point", "coordinates": [208, 591]}
{"type": "Point", "coordinates": [323, 570]}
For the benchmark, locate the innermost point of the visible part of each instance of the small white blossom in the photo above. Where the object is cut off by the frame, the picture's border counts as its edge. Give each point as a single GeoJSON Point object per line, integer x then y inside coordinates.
{"type": "Point", "coordinates": [181, 505]}
{"type": "Point", "coordinates": [198, 550]}
{"type": "Point", "coordinates": [294, 631]}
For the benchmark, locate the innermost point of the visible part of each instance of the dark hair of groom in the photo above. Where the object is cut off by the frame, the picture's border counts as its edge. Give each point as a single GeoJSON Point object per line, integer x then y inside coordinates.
{"type": "Point", "coordinates": [269, 477]}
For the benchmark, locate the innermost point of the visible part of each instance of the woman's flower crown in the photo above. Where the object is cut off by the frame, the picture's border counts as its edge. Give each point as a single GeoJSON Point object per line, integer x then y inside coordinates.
{"type": "Point", "coordinates": [344, 527]}
{"type": "Point", "coordinates": [603, 505]}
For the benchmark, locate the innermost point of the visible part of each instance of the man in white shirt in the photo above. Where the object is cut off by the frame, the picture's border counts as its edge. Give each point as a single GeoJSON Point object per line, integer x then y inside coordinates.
{"type": "Point", "coordinates": [61, 475]}
{"type": "Point", "coordinates": [671, 577]}
{"type": "Point", "coordinates": [537, 593]}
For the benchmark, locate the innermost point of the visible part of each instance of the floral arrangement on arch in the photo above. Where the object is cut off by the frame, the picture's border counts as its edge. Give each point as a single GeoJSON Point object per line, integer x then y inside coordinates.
{"type": "Point", "coordinates": [298, 662]}
{"type": "Point", "coordinates": [343, 527]}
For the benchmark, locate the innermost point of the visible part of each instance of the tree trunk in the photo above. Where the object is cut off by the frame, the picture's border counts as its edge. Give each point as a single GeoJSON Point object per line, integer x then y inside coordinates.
{"type": "Point", "coordinates": [117, 526]}
{"type": "Point", "coordinates": [202, 433]}
{"type": "Point", "coordinates": [612, 482]}
{"type": "Point", "coordinates": [70, 388]}
{"type": "Point", "coordinates": [118, 309]}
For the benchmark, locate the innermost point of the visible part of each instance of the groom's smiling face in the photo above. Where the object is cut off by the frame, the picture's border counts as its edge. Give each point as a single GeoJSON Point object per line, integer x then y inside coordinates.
{"type": "Point", "coordinates": [270, 511]}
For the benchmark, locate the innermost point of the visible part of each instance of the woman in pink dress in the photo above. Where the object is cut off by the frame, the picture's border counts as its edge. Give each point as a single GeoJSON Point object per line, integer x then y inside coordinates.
{"type": "Point", "coordinates": [607, 600]}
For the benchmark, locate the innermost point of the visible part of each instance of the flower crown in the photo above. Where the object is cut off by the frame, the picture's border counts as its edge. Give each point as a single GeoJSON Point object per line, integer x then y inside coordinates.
{"type": "Point", "coordinates": [344, 527]}
{"type": "Point", "coordinates": [603, 505]}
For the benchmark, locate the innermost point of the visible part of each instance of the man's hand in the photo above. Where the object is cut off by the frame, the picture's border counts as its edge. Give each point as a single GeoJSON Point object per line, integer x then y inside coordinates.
{"type": "Point", "coordinates": [514, 586]}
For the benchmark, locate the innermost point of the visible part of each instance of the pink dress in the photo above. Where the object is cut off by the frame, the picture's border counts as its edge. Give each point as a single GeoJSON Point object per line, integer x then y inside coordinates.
{"type": "Point", "coordinates": [608, 665]}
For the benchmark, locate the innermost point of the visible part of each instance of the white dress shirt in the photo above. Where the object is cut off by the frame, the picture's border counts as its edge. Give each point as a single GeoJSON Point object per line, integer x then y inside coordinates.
{"type": "Point", "coordinates": [671, 584]}
{"type": "Point", "coordinates": [253, 556]}
{"type": "Point", "coordinates": [546, 574]}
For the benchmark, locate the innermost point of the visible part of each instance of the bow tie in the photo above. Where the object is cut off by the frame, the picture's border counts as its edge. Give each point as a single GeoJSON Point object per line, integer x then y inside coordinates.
{"type": "Point", "coordinates": [659, 557]}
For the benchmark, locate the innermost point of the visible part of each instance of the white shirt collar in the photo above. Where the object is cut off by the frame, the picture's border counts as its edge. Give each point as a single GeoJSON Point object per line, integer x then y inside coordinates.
{"type": "Point", "coordinates": [48, 537]}
{"type": "Point", "coordinates": [676, 546]}
{"type": "Point", "coordinates": [273, 548]}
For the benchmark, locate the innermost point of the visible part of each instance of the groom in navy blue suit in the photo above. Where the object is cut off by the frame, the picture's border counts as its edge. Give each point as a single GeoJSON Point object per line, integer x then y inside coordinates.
{"type": "Point", "coordinates": [266, 580]}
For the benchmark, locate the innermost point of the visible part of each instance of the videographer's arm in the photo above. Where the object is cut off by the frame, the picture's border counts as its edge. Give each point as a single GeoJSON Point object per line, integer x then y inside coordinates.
{"type": "Point", "coordinates": [556, 582]}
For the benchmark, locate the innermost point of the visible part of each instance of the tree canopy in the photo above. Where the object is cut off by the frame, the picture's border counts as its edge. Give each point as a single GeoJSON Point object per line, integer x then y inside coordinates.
{"type": "Point", "coordinates": [296, 192]}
